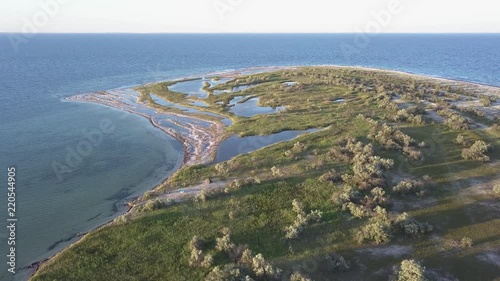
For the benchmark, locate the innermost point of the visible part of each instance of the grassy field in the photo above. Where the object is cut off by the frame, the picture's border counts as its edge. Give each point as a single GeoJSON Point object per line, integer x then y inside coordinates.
{"type": "Point", "coordinates": [456, 197]}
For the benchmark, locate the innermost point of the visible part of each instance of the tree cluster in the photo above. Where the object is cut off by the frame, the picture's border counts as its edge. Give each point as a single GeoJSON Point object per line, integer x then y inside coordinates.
{"type": "Point", "coordinates": [302, 220]}
{"type": "Point", "coordinates": [382, 226]}
{"type": "Point", "coordinates": [198, 258]}
{"type": "Point", "coordinates": [472, 110]}
{"type": "Point", "coordinates": [392, 138]}
{"type": "Point", "coordinates": [454, 120]}
{"type": "Point", "coordinates": [297, 276]}
{"type": "Point", "coordinates": [244, 266]}
{"type": "Point", "coordinates": [367, 168]}
{"type": "Point", "coordinates": [477, 151]}
{"type": "Point", "coordinates": [409, 186]}
{"type": "Point", "coordinates": [336, 263]}
{"type": "Point", "coordinates": [411, 270]}
{"type": "Point", "coordinates": [496, 190]}
{"type": "Point", "coordinates": [409, 115]}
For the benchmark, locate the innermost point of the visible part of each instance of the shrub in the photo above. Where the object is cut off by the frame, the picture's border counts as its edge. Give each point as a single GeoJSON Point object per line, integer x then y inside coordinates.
{"type": "Point", "coordinates": [410, 115]}
{"type": "Point", "coordinates": [380, 215]}
{"type": "Point", "coordinates": [376, 232]}
{"type": "Point", "coordinates": [149, 195]}
{"type": "Point", "coordinates": [228, 272]}
{"type": "Point", "coordinates": [296, 276]}
{"type": "Point", "coordinates": [369, 169]}
{"type": "Point", "coordinates": [391, 138]}
{"type": "Point", "coordinates": [237, 184]}
{"type": "Point", "coordinates": [263, 268]}
{"type": "Point", "coordinates": [411, 270]}
{"type": "Point", "coordinates": [246, 257]}
{"type": "Point", "coordinates": [224, 243]}
{"type": "Point", "coordinates": [457, 122]}
{"type": "Point", "coordinates": [151, 205]}
{"type": "Point", "coordinates": [411, 227]}
{"type": "Point", "coordinates": [347, 193]}
{"type": "Point", "coordinates": [408, 186]}
{"type": "Point", "coordinates": [472, 110]}
{"type": "Point", "coordinates": [276, 171]}
{"type": "Point", "coordinates": [476, 151]}
{"type": "Point", "coordinates": [302, 220]}
{"type": "Point", "coordinates": [485, 101]}
{"type": "Point", "coordinates": [466, 242]}
{"type": "Point", "coordinates": [330, 176]}
{"type": "Point", "coordinates": [379, 196]}
{"type": "Point", "coordinates": [356, 210]}
{"type": "Point", "coordinates": [207, 262]}
{"type": "Point", "coordinates": [197, 257]}
{"type": "Point", "coordinates": [222, 168]}
{"type": "Point", "coordinates": [123, 219]}
{"type": "Point", "coordinates": [337, 263]}
{"type": "Point", "coordinates": [299, 147]}
{"type": "Point", "coordinates": [201, 197]}
{"type": "Point", "coordinates": [460, 140]}
{"type": "Point", "coordinates": [496, 190]}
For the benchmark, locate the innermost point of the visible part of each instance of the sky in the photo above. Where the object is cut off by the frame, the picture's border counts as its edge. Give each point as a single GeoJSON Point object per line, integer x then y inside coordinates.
{"type": "Point", "coordinates": [250, 16]}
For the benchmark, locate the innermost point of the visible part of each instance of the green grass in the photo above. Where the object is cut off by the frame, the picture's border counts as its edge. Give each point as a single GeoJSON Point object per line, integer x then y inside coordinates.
{"type": "Point", "coordinates": [153, 246]}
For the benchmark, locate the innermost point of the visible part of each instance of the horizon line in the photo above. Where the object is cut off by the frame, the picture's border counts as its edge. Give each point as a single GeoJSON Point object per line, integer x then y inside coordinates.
{"type": "Point", "coordinates": [277, 33]}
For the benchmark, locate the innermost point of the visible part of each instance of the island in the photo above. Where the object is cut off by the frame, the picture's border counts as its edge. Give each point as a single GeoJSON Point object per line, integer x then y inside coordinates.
{"type": "Point", "coordinates": [308, 173]}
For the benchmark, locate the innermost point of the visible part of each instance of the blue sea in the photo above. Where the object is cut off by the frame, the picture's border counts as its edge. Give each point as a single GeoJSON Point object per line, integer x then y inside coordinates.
{"type": "Point", "coordinates": [78, 163]}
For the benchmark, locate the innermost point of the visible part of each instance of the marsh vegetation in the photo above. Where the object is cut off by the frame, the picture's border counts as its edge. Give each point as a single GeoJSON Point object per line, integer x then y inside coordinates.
{"type": "Point", "coordinates": [395, 166]}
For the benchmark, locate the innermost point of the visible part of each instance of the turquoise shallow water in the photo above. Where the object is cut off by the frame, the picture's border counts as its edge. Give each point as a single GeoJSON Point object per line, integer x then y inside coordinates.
{"type": "Point", "coordinates": [38, 128]}
{"type": "Point", "coordinates": [55, 204]}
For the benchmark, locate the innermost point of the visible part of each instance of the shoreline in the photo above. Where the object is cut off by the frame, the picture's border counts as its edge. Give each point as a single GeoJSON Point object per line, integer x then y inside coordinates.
{"type": "Point", "coordinates": [210, 152]}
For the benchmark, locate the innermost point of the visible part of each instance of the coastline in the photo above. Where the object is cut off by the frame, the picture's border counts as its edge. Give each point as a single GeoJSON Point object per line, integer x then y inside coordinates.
{"type": "Point", "coordinates": [194, 155]}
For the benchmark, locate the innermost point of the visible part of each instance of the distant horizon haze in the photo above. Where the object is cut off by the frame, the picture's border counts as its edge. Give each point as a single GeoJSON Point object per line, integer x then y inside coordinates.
{"type": "Point", "coordinates": [243, 16]}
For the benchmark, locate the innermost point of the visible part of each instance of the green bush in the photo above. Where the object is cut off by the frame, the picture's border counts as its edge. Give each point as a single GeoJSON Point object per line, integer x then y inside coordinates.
{"type": "Point", "coordinates": [477, 151]}
{"type": "Point", "coordinates": [411, 227]}
{"type": "Point", "coordinates": [296, 276]}
{"type": "Point", "coordinates": [302, 220]}
{"type": "Point", "coordinates": [496, 190]}
{"type": "Point", "coordinates": [228, 272]}
{"type": "Point", "coordinates": [330, 176]}
{"type": "Point", "coordinates": [346, 194]}
{"type": "Point", "coordinates": [197, 257]}
{"type": "Point", "coordinates": [466, 242]}
{"type": "Point", "coordinates": [222, 168]}
{"type": "Point", "coordinates": [411, 270]}
{"type": "Point", "coordinates": [376, 232]}
{"type": "Point", "coordinates": [461, 140]}
{"type": "Point", "coordinates": [336, 263]}
{"type": "Point", "coordinates": [151, 205]}
{"type": "Point", "coordinates": [409, 186]}
{"type": "Point", "coordinates": [485, 101]}
{"type": "Point", "coordinates": [356, 210]}
{"type": "Point", "coordinates": [262, 268]}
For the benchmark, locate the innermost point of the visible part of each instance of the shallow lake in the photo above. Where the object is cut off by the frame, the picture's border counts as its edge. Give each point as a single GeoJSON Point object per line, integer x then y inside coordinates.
{"type": "Point", "coordinates": [193, 88]}
{"type": "Point", "coordinates": [251, 108]}
{"type": "Point", "coordinates": [236, 145]}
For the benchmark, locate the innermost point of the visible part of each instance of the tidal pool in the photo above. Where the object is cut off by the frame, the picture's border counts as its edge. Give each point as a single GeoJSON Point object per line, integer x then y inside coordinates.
{"type": "Point", "coordinates": [236, 145]}
{"type": "Point", "coordinates": [193, 88]}
{"type": "Point", "coordinates": [251, 108]}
